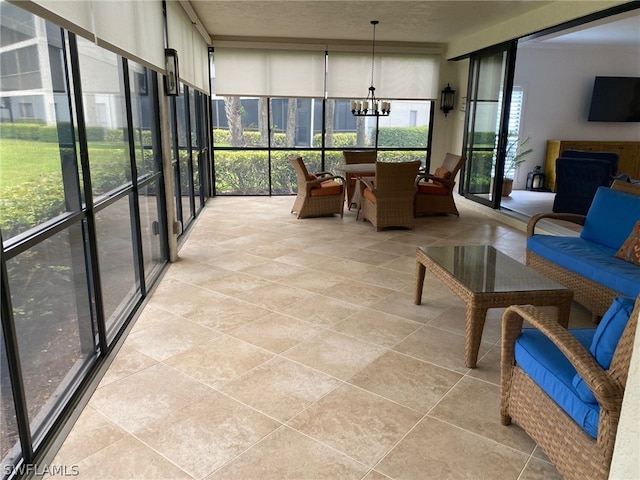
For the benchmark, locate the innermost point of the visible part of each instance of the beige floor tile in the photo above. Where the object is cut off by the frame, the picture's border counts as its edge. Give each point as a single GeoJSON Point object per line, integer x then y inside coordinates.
{"type": "Point", "coordinates": [377, 327]}
{"type": "Point", "coordinates": [454, 319]}
{"type": "Point", "coordinates": [439, 347]}
{"type": "Point", "coordinates": [128, 361]}
{"type": "Point", "coordinates": [219, 361]}
{"type": "Point", "coordinates": [356, 422]}
{"type": "Point", "coordinates": [475, 406]}
{"type": "Point", "coordinates": [406, 380]}
{"type": "Point", "coordinates": [192, 270]}
{"type": "Point", "coordinates": [400, 303]}
{"type": "Point", "coordinates": [374, 475]}
{"type": "Point", "coordinates": [389, 278]}
{"type": "Point", "coordinates": [274, 271]}
{"type": "Point", "coordinates": [150, 317]}
{"type": "Point", "coordinates": [320, 310]}
{"type": "Point", "coordinates": [206, 434]}
{"type": "Point", "coordinates": [276, 332]}
{"type": "Point", "coordinates": [181, 298]}
{"type": "Point", "coordinates": [436, 450]}
{"type": "Point", "coordinates": [171, 337]}
{"type": "Point", "coordinates": [226, 313]}
{"type": "Point", "coordinates": [287, 454]}
{"type": "Point", "coordinates": [128, 458]}
{"type": "Point", "coordinates": [335, 354]}
{"type": "Point", "coordinates": [237, 261]}
{"type": "Point", "coordinates": [274, 295]}
{"type": "Point", "coordinates": [488, 367]}
{"type": "Point", "coordinates": [537, 469]}
{"type": "Point", "coordinates": [313, 279]}
{"type": "Point", "coordinates": [281, 388]}
{"type": "Point", "coordinates": [138, 399]}
{"type": "Point", "coordinates": [234, 283]}
{"type": "Point", "coordinates": [357, 292]}
{"type": "Point", "coordinates": [91, 433]}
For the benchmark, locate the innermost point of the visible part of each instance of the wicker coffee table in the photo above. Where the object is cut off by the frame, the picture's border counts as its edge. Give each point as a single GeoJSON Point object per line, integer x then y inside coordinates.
{"type": "Point", "coordinates": [485, 278]}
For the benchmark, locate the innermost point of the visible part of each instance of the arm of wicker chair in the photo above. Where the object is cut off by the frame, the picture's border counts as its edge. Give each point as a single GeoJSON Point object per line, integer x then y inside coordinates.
{"type": "Point", "coordinates": [445, 182]}
{"type": "Point", "coordinates": [608, 393]}
{"type": "Point", "coordinates": [368, 183]}
{"type": "Point", "coordinates": [318, 181]}
{"type": "Point", "coordinates": [567, 217]}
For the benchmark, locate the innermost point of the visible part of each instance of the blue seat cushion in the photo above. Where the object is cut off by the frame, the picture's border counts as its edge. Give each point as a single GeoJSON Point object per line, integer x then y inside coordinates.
{"type": "Point", "coordinates": [543, 362]}
{"type": "Point", "coordinates": [591, 260]}
{"type": "Point", "coordinates": [611, 217]}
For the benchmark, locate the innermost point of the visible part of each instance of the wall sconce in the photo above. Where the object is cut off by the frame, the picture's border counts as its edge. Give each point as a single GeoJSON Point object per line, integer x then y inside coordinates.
{"type": "Point", "coordinates": [172, 77]}
{"type": "Point", "coordinates": [446, 99]}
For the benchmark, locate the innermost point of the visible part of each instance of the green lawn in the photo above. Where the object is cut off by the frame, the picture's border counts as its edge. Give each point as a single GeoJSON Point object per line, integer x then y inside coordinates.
{"type": "Point", "coordinates": [23, 161]}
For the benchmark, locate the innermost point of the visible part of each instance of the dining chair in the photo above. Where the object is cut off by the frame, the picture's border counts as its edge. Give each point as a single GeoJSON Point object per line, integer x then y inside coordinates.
{"type": "Point", "coordinates": [434, 191]}
{"type": "Point", "coordinates": [351, 180]}
{"type": "Point", "coordinates": [319, 194]}
{"type": "Point", "coordinates": [387, 201]}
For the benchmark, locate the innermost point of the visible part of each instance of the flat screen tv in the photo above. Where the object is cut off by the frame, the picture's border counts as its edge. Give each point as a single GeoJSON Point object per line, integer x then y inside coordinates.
{"type": "Point", "coordinates": [615, 99]}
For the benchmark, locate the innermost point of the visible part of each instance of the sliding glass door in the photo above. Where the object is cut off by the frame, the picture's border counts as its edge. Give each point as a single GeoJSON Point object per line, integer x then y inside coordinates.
{"type": "Point", "coordinates": [490, 85]}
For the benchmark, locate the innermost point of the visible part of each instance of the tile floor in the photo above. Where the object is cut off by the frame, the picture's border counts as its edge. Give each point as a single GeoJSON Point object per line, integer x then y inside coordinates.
{"type": "Point", "coordinates": [278, 348]}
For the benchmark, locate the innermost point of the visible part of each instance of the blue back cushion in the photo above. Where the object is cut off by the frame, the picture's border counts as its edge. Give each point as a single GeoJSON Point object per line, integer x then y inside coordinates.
{"type": "Point", "coordinates": [610, 330]}
{"type": "Point", "coordinates": [611, 217]}
{"type": "Point", "coordinates": [605, 340]}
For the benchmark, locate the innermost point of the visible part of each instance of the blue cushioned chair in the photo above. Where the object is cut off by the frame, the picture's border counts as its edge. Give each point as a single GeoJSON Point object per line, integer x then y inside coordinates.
{"type": "Point", "coordinates": [565, 387]}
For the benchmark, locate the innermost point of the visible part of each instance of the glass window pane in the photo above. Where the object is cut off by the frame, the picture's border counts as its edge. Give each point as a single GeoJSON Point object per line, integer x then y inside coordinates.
{"type": "Point", "coordinates": [283, 176]}
{"type": "Point", "coordinates": [407, 126]}
{"type": "Point", "coordinates": [38, 171]}
{"type": "Point", "coordinates": [52, 313]}
{"type": "Point", "coordinates": [139, 80]}
{"type": "Point", "coordinates": [242, 172]}
{"type": "Point", "coordinates": [150, 205]}
{"type": "Point", "coordinates": [184, 177]}
{"type": "Point", "coordinates": [9, 440]}
{"type": "Point", "coordinates": [117, 263]}
{"type": "Point", "coordinates": [105, 118]}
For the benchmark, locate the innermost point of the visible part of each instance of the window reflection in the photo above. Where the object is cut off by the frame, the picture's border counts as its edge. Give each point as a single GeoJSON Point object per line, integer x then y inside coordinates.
{"type": "Point", "coordinates": [150, 224]}
{"type": "Point", "coordinates": [105, 117]}
{"type": "Point", "coordinates": [51, 309]}
{"type": "Point", "coordinates": [36, 141]}
{"type": "Point", "coordinates": [117, 265]}
{"type": "Point", "coordinates": [139, 81]}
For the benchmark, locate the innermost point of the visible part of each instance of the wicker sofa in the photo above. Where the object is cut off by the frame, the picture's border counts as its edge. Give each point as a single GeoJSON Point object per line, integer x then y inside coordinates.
{"type": "Point", "coordinates": [586, 263]}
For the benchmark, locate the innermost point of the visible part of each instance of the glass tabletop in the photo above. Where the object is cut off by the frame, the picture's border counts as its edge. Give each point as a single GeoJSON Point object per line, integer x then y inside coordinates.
{"type": "Point", "coordinates": [483, 269]}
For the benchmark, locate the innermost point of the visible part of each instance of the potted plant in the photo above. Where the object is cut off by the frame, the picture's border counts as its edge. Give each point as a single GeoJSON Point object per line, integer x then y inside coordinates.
{"type": "Point", "coordinates": [516, 153]}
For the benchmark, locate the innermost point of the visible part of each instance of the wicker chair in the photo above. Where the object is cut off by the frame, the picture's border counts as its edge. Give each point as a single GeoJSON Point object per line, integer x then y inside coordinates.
{"type": "Point", "coordinates": [351, 157]}
{"type": "Point", "coordinates": [389, 203]}
{"type": "Point", "coordinates": [594, 296]}
{"type": "Point", "coordinates": [434, 193]}
{"type": "Point", "coordinates": [576, 454]}
{"type": "Point", "coordinates": [318, 193]}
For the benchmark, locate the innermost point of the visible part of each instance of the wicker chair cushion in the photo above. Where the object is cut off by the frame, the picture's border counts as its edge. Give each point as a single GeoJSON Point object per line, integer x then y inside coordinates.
{"type": "Point", "coordinates": [442, 173]}
{"type": "Point", "coordinates": [368, 194]}
{"type": "Point", "coordinates": [610, 330]}
{"type": "Point", "coordinates": [630, 249]}
{"type": "Point", "coordinates": [543, 362]}
{"type": "Point", "coordinates": [590, 260]}
{"type": "Point", "coordinates": [431, 188]}
{"type": "Point", "coordinates": [611, 218]}
{"type": "Point", "coordinates": [605, 340]}
{"type": "Point", "coordinates": [329, 187]}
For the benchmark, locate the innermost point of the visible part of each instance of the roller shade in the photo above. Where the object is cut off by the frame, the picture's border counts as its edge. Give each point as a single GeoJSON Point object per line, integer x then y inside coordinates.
{"type": "Point", "coordinates": [130, 28]}
{"type": "Point", "coordinates": [273, 73]}
{"type": "Point", "coordinates": [193, 55]}
{"type": "Point", "coordinates": [397, 76]}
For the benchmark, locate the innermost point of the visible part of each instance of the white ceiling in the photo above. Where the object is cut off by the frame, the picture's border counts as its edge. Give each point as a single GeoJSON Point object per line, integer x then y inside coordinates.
{"type": "Point", "coordinates": [400, 20]}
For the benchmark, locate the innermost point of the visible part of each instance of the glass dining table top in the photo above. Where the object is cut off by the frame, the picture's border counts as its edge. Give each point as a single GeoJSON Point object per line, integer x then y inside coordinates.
{"type": "Point", "coordinates": [483, 269]}
{"type": "Point", "coordinates": [357, 168]}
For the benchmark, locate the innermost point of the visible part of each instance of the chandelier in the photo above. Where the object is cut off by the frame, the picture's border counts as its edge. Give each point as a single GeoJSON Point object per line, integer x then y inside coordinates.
{"type": "Point", "coordinates": [371, 106]}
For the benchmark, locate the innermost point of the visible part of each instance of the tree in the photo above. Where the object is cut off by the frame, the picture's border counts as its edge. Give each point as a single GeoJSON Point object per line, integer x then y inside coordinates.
{"type": "Point", "coordinates": [331, 107]}
{"type": "Point", "coordinates": [263, 123]}
{"type": "Point", "coordinates": [233, 111]}
{"type": "Point", "coordinates": [292, 110]}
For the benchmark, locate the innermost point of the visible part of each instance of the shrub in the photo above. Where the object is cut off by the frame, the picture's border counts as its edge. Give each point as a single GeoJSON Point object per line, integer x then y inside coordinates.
{"type": "Point", "coordinates": [406, 137]}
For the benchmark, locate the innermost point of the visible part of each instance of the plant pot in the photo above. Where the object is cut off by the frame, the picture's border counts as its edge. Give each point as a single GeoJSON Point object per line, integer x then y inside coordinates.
{"type": "Point", "coordinates": [507, 186]}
